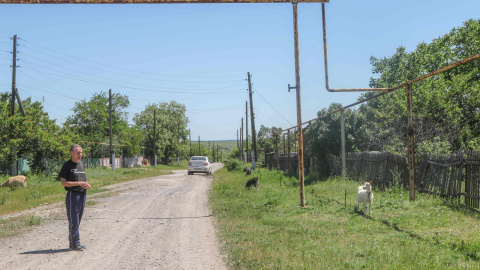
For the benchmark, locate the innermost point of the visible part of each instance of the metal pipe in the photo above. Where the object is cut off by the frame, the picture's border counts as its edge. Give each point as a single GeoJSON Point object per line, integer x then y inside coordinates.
{"type": "Point", "coordinates": [440, 70]}
{"type": "Point", "coordinates": [411, 154]}
{"type": "Point", "coordinates": [151, 1]}
{"type": "Point", "coordinates": [458, 63]}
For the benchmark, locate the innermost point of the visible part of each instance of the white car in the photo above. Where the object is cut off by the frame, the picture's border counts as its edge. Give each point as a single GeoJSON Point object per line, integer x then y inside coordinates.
{"type": "Point", "coordinates": [199, 164]}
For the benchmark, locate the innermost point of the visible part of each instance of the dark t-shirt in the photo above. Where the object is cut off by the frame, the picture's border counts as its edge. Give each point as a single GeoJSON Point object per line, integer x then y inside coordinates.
{"type": "Point", "coordinates": [74, 172]}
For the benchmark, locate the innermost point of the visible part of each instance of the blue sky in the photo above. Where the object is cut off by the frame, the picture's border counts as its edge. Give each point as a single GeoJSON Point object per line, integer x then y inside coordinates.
{"type": "Point", "coordinates": [199, 54]}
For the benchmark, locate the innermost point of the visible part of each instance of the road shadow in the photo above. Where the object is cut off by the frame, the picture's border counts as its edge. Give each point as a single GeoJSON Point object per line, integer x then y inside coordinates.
{"type": "Point", "coordinates": [46, 251]}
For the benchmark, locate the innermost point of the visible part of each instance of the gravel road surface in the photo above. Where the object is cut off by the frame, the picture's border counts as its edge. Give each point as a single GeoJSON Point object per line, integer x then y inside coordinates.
{"type": "Point", "coordinates": [155, 223]}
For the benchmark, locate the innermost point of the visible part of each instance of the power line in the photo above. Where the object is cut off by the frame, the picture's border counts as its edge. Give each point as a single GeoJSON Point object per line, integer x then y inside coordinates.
{"type": "Point", "coordinates": [269, 117]}
{"type": "Point", "coordinates": [272, 106]}
{"type": "Point", "coordinates": [157, 74]}
{"type": "Point", "coordinates": [129, 75]}
{"type": "Point", "coordinates": [123, 82]}
{"type": "Point", "coordinates": [216, 109]}
{"type": "Point", "coordinates": [41, 73]}
{"type": "Point", "coordinates": [223, 124]}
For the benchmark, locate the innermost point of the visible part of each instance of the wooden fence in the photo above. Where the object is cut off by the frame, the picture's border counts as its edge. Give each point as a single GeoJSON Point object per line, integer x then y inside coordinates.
{"type": "Point", "coordinates": [453, 176]}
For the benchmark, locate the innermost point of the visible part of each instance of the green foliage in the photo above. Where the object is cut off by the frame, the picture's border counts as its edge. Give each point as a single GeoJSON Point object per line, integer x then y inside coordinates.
{"type": "Point", "coordinates": [90, 120]}
{"type": "Point", "coordinates": [266, 138]}
{"type": "Point", "coordinates": [34, 137]}
{"type": "Point", "coordinates": [433, 147]}
{"type": "Point", "coordinates": [33, 220]}
{"type": "Point", "coordinates": [233, 164]}
{"type": "Point", "coordinates": [445, 107]}
{"type": "Point", "coordinates": [171, 129]}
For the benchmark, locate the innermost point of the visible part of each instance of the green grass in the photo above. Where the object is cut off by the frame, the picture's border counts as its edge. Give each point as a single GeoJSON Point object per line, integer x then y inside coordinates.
{"type": "Point", "coordinates": [266, 228]}
{"type": "Point", "coordinates": [43, 190]}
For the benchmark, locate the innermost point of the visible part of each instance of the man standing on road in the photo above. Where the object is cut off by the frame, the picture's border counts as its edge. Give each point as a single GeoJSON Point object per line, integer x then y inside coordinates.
{"type": "Point", "coordinates": [74, 179]}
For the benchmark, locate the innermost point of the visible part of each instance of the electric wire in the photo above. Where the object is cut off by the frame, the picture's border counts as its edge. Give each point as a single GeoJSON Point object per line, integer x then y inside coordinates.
{"type": "Point", "coordinates": [216, 109]}
{"type": "Point", "coordinates": [129, 75]}
{"type": "Point", "coordinates": [272, 106]}
{"type": "Point", "coordinates": [216, 125]}
{"type": "Point", "coordinates": [157, 74]}
{"type": "Point", "coordinates": [41, 73]}
{"type": "Point", "coordinates": [185, 90]}
{"type": "Point", "coordinates": [56, 92]}
{"type": "Point", "coordinates": [269, 117]}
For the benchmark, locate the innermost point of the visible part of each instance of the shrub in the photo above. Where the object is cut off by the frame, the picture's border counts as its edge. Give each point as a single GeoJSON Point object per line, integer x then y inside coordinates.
{"type": "Point", "coordinates": [232, 164]}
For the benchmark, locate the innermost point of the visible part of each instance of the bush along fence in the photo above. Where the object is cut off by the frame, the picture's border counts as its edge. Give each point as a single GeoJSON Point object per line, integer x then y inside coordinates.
{"type": "Point", "coordinates": [454, 176]}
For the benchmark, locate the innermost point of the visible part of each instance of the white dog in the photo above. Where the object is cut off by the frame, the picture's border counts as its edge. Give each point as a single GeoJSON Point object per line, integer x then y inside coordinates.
{"type": "Point", "coordinates": [365, 195]}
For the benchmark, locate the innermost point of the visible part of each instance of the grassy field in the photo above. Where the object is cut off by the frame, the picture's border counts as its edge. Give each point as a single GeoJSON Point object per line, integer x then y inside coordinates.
{"type": "Point", "coordinates": [266, 228]}
{"type": "Point", "coordinates": [43, 190]}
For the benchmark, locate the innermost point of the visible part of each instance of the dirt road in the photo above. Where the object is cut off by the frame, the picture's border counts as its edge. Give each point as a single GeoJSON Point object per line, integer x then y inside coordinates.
{"type": "Point", "coordinates": [155, 223]}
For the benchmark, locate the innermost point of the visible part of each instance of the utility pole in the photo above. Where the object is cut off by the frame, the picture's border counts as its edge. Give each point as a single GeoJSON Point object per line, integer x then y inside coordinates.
{"type": "Point", "coordinates": [246, 127]}
{"type": "Point", "coordinates": [190, 135]}
{"type": "Point", "coordinates": [252, 116]}
{"type": "Point", "coordinates": [199, 150]}
{"type": "Point", "coordinates": [155, 137]}
{"type": "Point", "coordinates": [112, 155]}
{"type": "Point", "coordinates": [237, 140]}
{"type": "Point", "coordinates": [241, 141]}
{"type": "Point", "coordinates": [12, 105]}
{"type": "Point", "coordinates": [299, 106]}
{"type": "Point", "coordinates": [14, 75]}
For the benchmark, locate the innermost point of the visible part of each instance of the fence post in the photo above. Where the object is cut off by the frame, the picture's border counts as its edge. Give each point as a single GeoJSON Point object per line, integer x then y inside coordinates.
{"type": "Point", "coordinates": [342, 119]}
{"type": "Point", "coordinates": [411, 156]}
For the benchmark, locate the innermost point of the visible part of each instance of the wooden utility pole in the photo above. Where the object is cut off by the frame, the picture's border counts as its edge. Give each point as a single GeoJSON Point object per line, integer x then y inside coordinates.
{"type": "Point", "coordinates": [252, 117]}
{"type": "Point", "coordinates": [246, 128]}
{"type": "Point", "coordinates": [155, 138]}
{"type": "Point", "coordinates": [14, 75]}
{"type": "Point", "coordinates": [199, 150]}
{"type": "Point", "coordinates": [112, 155]}
{"type": "Point", "coordinates": [342, 135]}
{"type": "Point", "coordinates": [241, 141]}
{"type": "Point", "coordinates": [190, 135]}
{"type": "Point", "coordinates": [299, 106]}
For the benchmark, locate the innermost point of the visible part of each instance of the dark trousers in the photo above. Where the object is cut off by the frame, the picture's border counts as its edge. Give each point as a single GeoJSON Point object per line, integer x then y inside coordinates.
{"type": "Point", "coordinates": [75, 203]}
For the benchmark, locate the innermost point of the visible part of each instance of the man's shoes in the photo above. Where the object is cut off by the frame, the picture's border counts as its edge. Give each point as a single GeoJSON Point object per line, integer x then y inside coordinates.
{"type": "Point", "coordinates": [78, 248]}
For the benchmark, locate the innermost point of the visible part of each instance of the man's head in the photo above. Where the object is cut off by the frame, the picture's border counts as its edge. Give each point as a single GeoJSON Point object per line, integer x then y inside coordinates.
{"type": "Point", "coordinates": [76, 152]}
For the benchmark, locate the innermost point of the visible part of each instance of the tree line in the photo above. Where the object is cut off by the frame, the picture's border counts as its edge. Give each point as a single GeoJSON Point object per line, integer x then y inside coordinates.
{"type": "Point", "coordinates": [37, 138]}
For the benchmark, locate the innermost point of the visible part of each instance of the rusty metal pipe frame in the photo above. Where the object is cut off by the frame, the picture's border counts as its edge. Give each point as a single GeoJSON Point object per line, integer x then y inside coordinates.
{"type": "Point", "coordinates": [152, 1]}
{"type": "Point", "coordinates": [458, 63]}
{"type": "Point", "coordinates": [440, 70]}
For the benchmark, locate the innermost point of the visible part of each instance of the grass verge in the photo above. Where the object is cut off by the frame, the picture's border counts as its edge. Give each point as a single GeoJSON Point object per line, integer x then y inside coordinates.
{"type": "Point", "coordinates": [266, 228]}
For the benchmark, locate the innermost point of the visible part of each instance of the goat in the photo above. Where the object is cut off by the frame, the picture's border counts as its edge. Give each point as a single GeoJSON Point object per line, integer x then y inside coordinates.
{"type": "Point", "coordinates": [252, 182]}
{"type": "Point", "coordinates": [247, 170]}
{"type": "Point", "coordinates": [16, 181]}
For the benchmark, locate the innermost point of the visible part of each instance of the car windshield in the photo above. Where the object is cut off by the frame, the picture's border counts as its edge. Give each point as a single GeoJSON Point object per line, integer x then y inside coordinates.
{"type": "Point", "coordinates": [199, 158]}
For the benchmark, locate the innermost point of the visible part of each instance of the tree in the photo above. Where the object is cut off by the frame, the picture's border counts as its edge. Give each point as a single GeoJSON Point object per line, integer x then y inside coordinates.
{"type": "Point", "coordinates": [171, 129]}
{"type": "Point", "coordinates": [34, 137]}
{"type": "Point", "coordinates": [90, 120]}
{"type": "Point", "coordinates": [445, 106]}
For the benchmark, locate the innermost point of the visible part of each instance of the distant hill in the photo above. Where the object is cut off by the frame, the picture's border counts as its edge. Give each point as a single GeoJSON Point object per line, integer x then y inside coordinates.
{"type": "Point", "coordinates": [228, 145]}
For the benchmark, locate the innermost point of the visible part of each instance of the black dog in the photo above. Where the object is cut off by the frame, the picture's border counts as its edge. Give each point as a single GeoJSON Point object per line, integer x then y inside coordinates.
{"type": "Point", "coordinates": [252, 182]}
{"type": "Point", "coordinates": [247, 170]}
